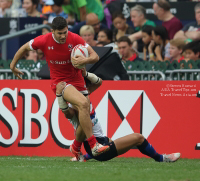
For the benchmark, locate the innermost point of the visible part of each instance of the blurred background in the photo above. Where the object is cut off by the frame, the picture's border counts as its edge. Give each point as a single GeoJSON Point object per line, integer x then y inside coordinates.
{"type": "Point", "coordinates": [135, 39]}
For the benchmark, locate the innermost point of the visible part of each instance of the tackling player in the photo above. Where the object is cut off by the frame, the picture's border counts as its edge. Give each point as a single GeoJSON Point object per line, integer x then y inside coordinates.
{"type": "Point", "coordinates": [118, 146]}
{"type": "Point", "coordinates": [57, 47]}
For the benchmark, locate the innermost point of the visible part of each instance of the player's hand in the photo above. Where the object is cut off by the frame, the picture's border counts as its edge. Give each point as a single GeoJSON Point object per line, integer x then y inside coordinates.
{"type": "Point", "coordinates": [78, 60]}
{"type": "Point", "coordinates": [59, 87]}
{"type": "Point", "coordinates": [17, 72]}
{"type": "Point", "coordinates": [84, 72]}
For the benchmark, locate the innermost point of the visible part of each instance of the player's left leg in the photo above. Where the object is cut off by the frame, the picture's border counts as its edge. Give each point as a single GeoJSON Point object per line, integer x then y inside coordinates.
{"type": "Point", "coordinates": [127, 142]}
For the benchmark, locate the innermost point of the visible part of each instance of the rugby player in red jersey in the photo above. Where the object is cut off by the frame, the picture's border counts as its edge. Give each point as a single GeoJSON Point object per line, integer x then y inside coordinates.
{"type": "Point", "coordinates": [57, 47]}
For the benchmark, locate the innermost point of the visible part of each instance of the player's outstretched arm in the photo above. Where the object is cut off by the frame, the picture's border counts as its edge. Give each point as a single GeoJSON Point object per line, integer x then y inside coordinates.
{"type": "Point", "coordinates": [19, 54]}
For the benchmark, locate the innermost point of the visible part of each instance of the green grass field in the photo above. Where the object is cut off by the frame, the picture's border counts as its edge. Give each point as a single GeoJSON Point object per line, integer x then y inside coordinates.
{"type": "Point", "coordinates": [60, 168]}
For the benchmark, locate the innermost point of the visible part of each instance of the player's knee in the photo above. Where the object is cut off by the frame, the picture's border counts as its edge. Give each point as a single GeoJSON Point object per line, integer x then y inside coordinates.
{"type": "Point", "coordinates": [84, 104]}
{"type": "Point", "coordinates": [140, 138]}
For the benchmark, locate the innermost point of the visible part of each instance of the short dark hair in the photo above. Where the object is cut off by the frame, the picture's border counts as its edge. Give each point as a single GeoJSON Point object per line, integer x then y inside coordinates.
{"type": "Point", "coordinates": [194, 46]}
{"type": "Point", "coordinates": [59, 23]}
{"type": "Point", "coordinates": [147, 29]}
{"type": "Point", "coordinates": [164, 5]}
{"type": "Point", "coordinates": [117, 15]}
{"type": "Point", "coordinates": [124, 39]}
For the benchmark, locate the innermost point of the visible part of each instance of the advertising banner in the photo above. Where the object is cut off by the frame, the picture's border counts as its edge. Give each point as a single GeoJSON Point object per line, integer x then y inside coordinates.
{"type": "Point", "coordinates": [165, 112]}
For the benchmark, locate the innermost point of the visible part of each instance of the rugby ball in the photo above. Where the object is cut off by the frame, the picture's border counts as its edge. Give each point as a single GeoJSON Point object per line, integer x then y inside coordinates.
{"type": "Point", "coordinates": [79, 50]}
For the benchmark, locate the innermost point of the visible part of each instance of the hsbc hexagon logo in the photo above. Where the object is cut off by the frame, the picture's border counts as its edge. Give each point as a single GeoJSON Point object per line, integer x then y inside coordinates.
{"type": "Point", "coordinates": [122, 112]}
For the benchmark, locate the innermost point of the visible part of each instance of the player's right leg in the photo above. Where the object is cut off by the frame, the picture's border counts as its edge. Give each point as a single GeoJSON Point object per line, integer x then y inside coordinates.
{"type": "Point", "coordinates": [72, 95]}
{"type": "Point", "coordinates": [125, 143]}
{"type": "Point", "coordinates": [75, 148]}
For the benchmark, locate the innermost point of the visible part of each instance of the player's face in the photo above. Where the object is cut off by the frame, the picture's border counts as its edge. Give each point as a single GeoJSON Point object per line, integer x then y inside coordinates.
{"type": "Point", "coordinates": [61, 35]}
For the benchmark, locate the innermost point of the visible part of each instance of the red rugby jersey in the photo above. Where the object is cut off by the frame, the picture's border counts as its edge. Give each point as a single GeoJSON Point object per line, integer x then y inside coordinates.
{"type": "Point", "coordinates": [58, 57]}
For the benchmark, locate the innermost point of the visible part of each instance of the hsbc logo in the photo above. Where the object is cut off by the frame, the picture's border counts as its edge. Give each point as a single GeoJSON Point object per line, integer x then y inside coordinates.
{"type": "Point", "coordinates": [11, 122]}
{"type": "Point", "coordinates": [122, 112]}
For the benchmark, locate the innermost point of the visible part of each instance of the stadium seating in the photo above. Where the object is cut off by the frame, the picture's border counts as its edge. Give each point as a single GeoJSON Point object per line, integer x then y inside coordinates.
{"type": "Point", "coordinates": [29, 65]}
{"type": "Point", "coordinates": [4, 64]}
{"type": "Point", "coordinates": [165, 67]}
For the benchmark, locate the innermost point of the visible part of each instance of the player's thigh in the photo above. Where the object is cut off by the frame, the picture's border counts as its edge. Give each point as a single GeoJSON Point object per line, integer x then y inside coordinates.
{"type": "Point", "coordinates": [73, 96]}
{"type": "Point", "coordinates": [125, 143]}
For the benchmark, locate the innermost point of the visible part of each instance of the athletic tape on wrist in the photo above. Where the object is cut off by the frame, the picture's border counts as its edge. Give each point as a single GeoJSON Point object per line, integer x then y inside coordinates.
{"type": "Point", "coordinates": [93, 78]}
{"type": "Point", "coordinates": [61, 102]}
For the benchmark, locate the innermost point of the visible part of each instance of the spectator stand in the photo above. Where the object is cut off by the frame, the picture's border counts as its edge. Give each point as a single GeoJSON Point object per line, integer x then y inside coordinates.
{"type": "Point", "coordinates": [177, 8]}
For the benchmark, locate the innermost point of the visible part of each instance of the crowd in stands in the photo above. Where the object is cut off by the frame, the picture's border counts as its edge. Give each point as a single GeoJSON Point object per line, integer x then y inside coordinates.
{"type": "Point", "coordinates": [140, 40]}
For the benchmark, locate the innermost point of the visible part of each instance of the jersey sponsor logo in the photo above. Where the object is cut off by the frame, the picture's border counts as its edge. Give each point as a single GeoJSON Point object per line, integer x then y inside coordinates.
{"type": "Point", "coordinates": [131, 112]}
{"type": "Point", "coordinates": [59, 62]}
{"type": "Point", "coordinates": [50, 48]}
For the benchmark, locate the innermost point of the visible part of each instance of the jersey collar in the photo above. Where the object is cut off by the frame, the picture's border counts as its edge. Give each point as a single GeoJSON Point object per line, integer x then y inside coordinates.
{"type": "Point", "coordinates": [55, 39]}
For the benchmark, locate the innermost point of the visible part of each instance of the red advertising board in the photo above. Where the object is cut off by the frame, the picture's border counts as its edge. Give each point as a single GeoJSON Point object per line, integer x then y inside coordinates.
{"type": "Point", "coordinates": [165, 112]}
